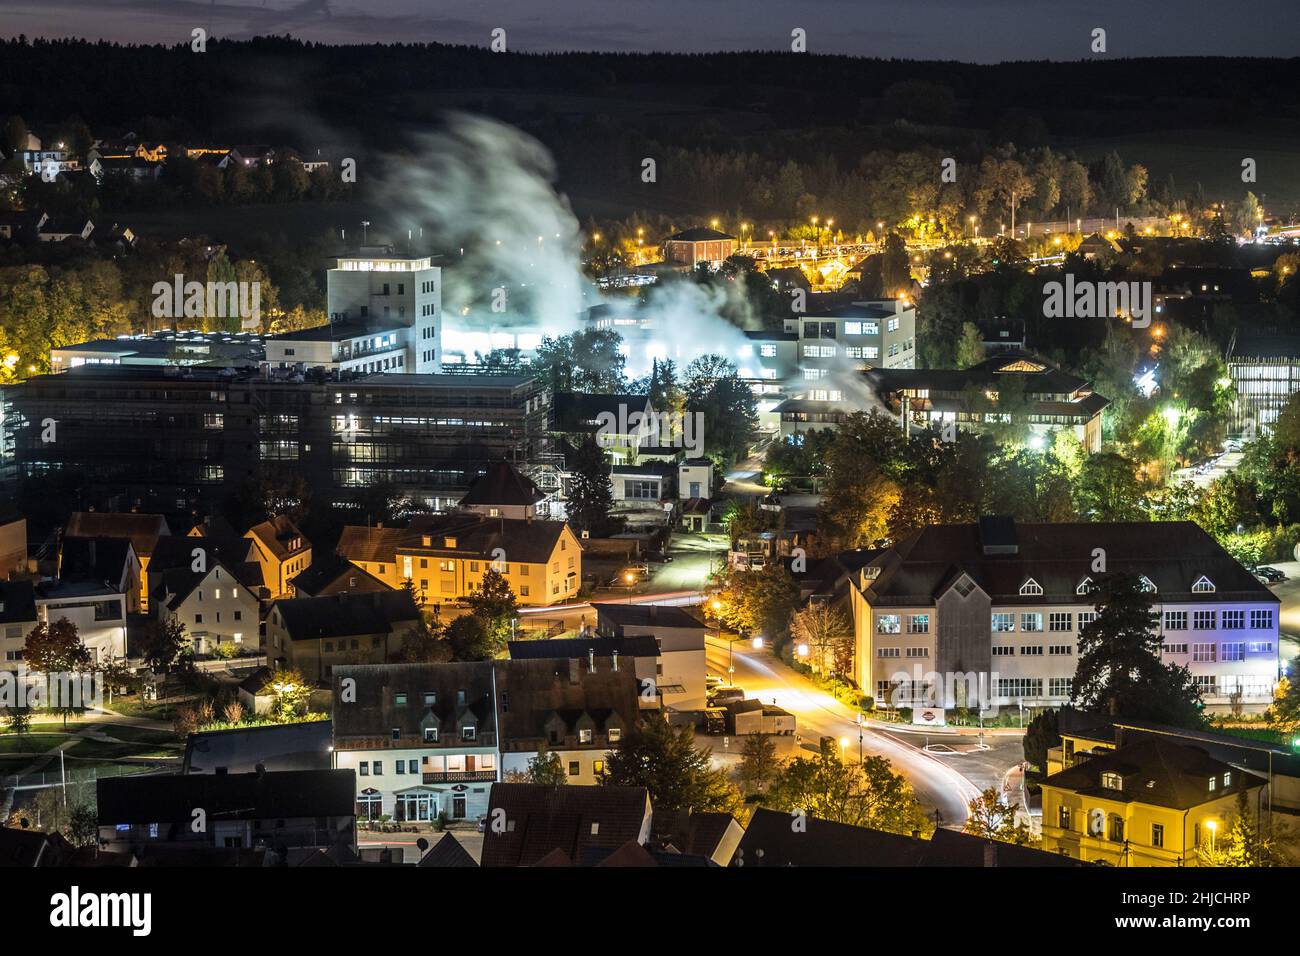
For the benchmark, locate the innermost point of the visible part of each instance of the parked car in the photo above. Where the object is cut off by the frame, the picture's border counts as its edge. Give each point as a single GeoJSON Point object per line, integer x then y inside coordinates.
{"type": "Point", "coordinates": [1270, 574]}
{"type": "Point", "coordinates": [659, 557]}
{"type": "Point", "coordinates": [723, 695]}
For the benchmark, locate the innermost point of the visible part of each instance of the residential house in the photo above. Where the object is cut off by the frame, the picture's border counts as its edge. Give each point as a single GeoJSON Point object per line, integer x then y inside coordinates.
{"type": "Point", "coordinates": [422, 738]}
{"type": "Point", "coordinates": [502, 492]}
{"type": "Point", "coordinates": [13, 545]}
{"type": "Point", "coordinates": [334, 574]}
{"type": "Point", "coordinates": [64, 228]}
{"type": "Point", "coordinates": [692, 247]}
{"type": "Point", "coordinates": [143, 531]}
{"type": "Point", "coordinates": [268, 810]}
{"type": "Point", "coordinates": [216, 605]}
{"type": "Point", "coordinates": [282, 551]}
{"type": "Point", "coordinates": [97, 609]}
{"type": "Point", "coordinates": [641, 654]}
{"type": "Point", "coordinates": [18, 617]}
{"type": "Point", "coordinates": [1150, 803]}
{"type": "Point", "coordinates": [446, 556]}
{"type": "Point", "coordinates": [994, 609]}
{"type": "Point", "coordinates": [680, 636]}
{"type": "Point", "coordinates": [578, 709]}
{"type": "Point", "coordinates": [527, 823]}
{"type": "Point", "coordinates": [316, 635]}
{"type": "Point", "coordinates": [109, 561]}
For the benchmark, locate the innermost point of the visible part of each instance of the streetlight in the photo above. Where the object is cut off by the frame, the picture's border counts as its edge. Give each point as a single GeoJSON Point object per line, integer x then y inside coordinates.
{"type": "Point", "coordinates": [1213, 827]}
{"type": "Point", "coordinates": [844, 742]}
{"type": "Point", "coordinates": [861, 759]}
{"type": "Point", "coordinates": [630, 578]}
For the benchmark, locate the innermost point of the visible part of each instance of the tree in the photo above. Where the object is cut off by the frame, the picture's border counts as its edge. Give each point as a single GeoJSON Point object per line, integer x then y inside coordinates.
{"type": "Point", "coordinates": [970, 347]}
{"type": "Point", "coordinates": [1042, 734]}
{"type": "Point", "coordinates": [56, 649]}
{"type": "Point", "coordinates": [1284, 713]}
{"type": "Point", "coordinates": [546, 768]}
{"type": "Point", "coordinates": [493, 602]}
{"type": "Point", "coordinates": [757, 600]}
{"type": "Point", "coordinates": [666, 762]}
{"type": "Point", "coordinates": [828, 632]}
{"type": "Point", "coordinates": [1241, 844]}
{"type": "Point", "coordinates": [424, 644]}
{"type": "Point", "coordinates": [83, 825]}
{"type": "Point", "coordinates": [989, 817]}
{"type": "Point", "coordinates": [591, 495]}
{"type": "Point", "coordinates": [290, 694]}
{"type": "Point", "coordinates": [19, 719]}
{"type": "Point", "coordinates": [469, 639]}
{"type": "Point", "coordinates": [869, 794]}
{"type": "Point", "coordinates": [1108, 489]}
{"type": "Point", "coordinates": [1120, 673]}
{"type": "Point", "coordinates": [758, 764]}
{"type": "Point", "coordinates": [895, 266]}
{"type": "Point", "coordinates": [163, 643]}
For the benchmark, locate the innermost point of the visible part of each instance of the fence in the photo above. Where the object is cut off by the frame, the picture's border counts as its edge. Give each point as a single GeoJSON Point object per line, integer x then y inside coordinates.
{"type": "Point", "coordinates": [75, 775]}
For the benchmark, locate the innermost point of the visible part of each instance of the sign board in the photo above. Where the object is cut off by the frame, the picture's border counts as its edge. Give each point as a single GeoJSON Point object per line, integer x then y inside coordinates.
{"type": "Point", "coordinates": [929, 717]}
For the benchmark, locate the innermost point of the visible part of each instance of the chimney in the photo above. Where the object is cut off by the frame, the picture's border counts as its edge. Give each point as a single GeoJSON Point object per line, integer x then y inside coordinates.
{"type": "Point", "coordinates": [573, 672]}
{"type": "Point", "coordinates": [990, 854]}
{"type": "Point", "coordinates": [615, 661]}
{"type": "Point", "coordinates": [591, 659]}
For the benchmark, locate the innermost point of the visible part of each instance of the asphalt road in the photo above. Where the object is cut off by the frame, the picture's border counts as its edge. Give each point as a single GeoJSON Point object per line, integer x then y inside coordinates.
{"type": "Point", "coordinates": [938, 785]}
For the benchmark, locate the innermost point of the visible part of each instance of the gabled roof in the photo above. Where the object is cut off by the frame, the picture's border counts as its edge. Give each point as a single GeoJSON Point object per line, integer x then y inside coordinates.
{"type": "Point", "coordinates": [180, 583]}
{"type": "Point", "coordinates": [534, 694]}
{"type": "Point", "coordinates": [770, 840]}
{"type": "Point", "coordinates": [502, 484]}
{"type": "Point", "coordinates": [563, 820]}
{"type": "Point", "coordinates": [375, 711]}
{"type": "Point", "coordinates": [1155, 771]}
{"type": "Point", "coordinates": [647, 616]}
{"type": "Point", "coordinates": [29, 848]}
{"type": "Point", "coordinates": [144, 530]}
{"type": "Point", "coordinates": [327, 570]}
{"type": "Point", "coordinates": [278, 536]}
{"type": "Point", "coordinates": [235, 796]}
{"type": "Point", "coordinates": [345, 615]}
{"type": "Point", "coordinates": [95, 559]}
{"type": "Point", "coordinates": [448, 852]}
{"type": "Point", "coordinates": [525, 540]}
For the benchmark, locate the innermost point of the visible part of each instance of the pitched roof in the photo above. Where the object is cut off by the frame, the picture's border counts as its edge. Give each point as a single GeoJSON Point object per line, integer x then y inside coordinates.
{"type": "Point", "coordinates": [502, 484]}
{"type": "Point", "coordinates": [698, 234]}
{"type": "Point", "coordinates": [94, 559]}
{"type": "Point", "coordinates": [647, 615]}
{"type": "Point", "coordinates": [574, 648]}
{"type": "Point", "coordinates": [28, 848]}
{"type": "Point", "coordinates": [278, 536]}
{"type": "Point", "coordinates": [298, 746]}
{"type": "Point", "coordinates": [562, 820]}
{"type": "Point", "coordinates": [144, 530]}
{"type": "Point", "coordinates": [951, 848]}
{"type": "Point", "coordinates": [770, 840]}
{"type": "Point", "coordinates": [328, 569]}
{"type": "Point", "coordinates": [1155, 771]}
{"type": "Point", "coordinates": [536, 694]}
{"type": "Point", "coordinates": [345, 615]}
{"type": "Point", "coordinates": [233, 796]}
{"type": "Point", "coordinates": [524, 540]}
{"type": "Point", "coordinates": [448, 852]}
{"type": "Point", "coordinates": [375, 711]}
{"type": "Point", "coordinates": [1172, 554]}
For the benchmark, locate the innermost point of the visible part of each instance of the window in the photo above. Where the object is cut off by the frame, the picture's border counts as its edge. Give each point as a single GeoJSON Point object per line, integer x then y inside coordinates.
{"type": "Point", "coordinates": [584, 735]}
{"type": "Point", "coordinates": [1202, 585]}
{"type": "Point", "coordinates": [1063, 817]}
{"type": "Point", "coordinates": [1112, 781]}
{"type": "Point", "coordinates": [1086, 618]}
{"type": "Point", "coordinates": [1260, 647]}
{"type": "Point", "coordinates": [1261, 618]}
{"type": "Point", "coordinates": [1084, 586]}
{"type": "Point", "coordinates": [1235, 651]}
{"type": "Point", "coordinates": [888, 652]}
{"type": "Point", "coordinates": [378, 768]}
{"type": "Point", "coordinates": [887, 624]}
{"type": "Point", "coordinates": [1234, 620]}
{"type": "Point", "coordinates": [401, 767]}
{"type": "Point", "coordinates": [1116, 829]}
{"type": "Point", "coordinates": [918, 652]}
{"type": "Point", "coordinates": [1004, 621]}
{"type": "Point", "coordinates": [1214, 783]}
{"type": "Point", "coordinates": [918, 624]}
{"type": "Point", "coordinates": [615, 734]}
{"type": "Point", "coordinates": [1030, 587]}
{"type": "Point", "coordinates": [364, 769]}
{"type": "Point", "coordinates": [1203, 620]}
{"type": "Point", "coordinates": [1031, 650]}
{"type": "Point", "coordinates": [399, 700]}
{"type": "Point", "coordinates": [1157, 835]}
{"type": "Point", "coordinates": [1175, 620]}
{"type": "Point", "coordinates": [598, 767]}
{"type": "Point", "coordinates": [1061, 650]}
{"type": "Point", "coordinates": [467, 732]}
{"type": "Point", "coordinates": [1175, 648]}
{"type": "Point", "coordinates": [397, 733]}
{"type": "Point", "coordinates": [431, 735]}
{"type": "Point", "coordinates": [1203, 653]}
{"type": "Point", "coordinates": [198, 618]}
{"type": "Point", "coordinates": [430, 698]}
{"type": "Point", "coordinates": [1020, 687]}
{"type": "Point", "coordinates": [574, 768]}
{"type": "Point", "coordinates": [1060, 621]}
{"type": "Point", "coordinates": [1060, 686]}
{"type": "Point", "coordinates": [1031, 621]}
{"type": "Point", "coordinates": [1003, 650]}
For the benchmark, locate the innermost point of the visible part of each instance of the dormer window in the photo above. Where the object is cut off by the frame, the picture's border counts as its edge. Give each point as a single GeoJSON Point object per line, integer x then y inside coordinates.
{"type": "Point", "coordinates": [1203, 585]}
{"type": "Point", "coordinates": [1146, 584]}
{"type": "Point", "coordinates": [1227, 780]}
{"type": "Point", "coordinates": [1030, 587]}
{"type": "Point", "coordinates": [1112, 781]}
{"type": "Point", "coordinates": [1214, 784]}
{"type": "Point", "coordinates": [964, 586]}
{"type": "Point", "coordinates": [399, 700]}
{"type": "Point", "coordinates": [584, 735]}
{"type": "Point", "coordinates": [431, 735]}
{"type": "Point", "coordinates": [467, 732]}
{"type": "Point", "coordinates": [1085, 586]}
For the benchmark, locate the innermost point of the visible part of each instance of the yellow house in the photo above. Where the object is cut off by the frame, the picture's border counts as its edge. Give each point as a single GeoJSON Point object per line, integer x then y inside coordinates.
{"type": "Point", "coordinates": [445, 556]}
{"type": "Point", "coordinates": [1150, 803]}
{"type": "Point", "coordinates": [282, 551]}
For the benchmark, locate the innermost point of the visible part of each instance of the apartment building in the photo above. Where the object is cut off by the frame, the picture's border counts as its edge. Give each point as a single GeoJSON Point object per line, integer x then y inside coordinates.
{"type": "Point", "coordinates": [992, 611]}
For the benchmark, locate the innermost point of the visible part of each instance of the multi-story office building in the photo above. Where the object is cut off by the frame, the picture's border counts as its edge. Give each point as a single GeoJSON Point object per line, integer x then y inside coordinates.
{"type": "Point", "coordinates": [1265, 368]}
{"type": "Point", "coordinates": [994, 609]}
{"type": "Point", "coordinates": [385, 316]}
{"type": "Point", "coordinates": [860, 335]}
{"type": "Point", "coordinates": [172, 440]}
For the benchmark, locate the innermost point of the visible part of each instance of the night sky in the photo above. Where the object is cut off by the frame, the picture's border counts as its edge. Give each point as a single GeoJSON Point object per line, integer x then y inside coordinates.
{"type": "Point", "coordinates": [970, 30]}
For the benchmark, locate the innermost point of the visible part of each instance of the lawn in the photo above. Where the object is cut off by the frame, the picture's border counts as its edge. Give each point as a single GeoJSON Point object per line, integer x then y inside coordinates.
{"type": "Point", "coordinates": [139, 735]}
{"type": "Point", "coordinates": [30, 743]}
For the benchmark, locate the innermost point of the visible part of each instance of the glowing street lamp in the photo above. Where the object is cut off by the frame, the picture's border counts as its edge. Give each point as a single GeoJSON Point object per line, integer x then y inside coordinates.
{"type": "Point", "coordinates": [1213, 829]}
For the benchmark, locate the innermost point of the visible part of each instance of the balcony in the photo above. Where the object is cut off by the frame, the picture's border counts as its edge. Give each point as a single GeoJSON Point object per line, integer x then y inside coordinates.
{"type": "Point", "coordinates": [461, 776]}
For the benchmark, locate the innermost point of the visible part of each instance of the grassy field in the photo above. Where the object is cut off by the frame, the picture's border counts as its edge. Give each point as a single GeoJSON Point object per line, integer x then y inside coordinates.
{"type": "Point", "coordinates": [30, 743]}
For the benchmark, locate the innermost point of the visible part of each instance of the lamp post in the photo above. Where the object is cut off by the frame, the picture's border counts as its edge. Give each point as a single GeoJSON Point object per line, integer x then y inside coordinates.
{"type": "Point", "coordinates": [630, 578]}
{"type": "Point", "coordinates": [861, 759]}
